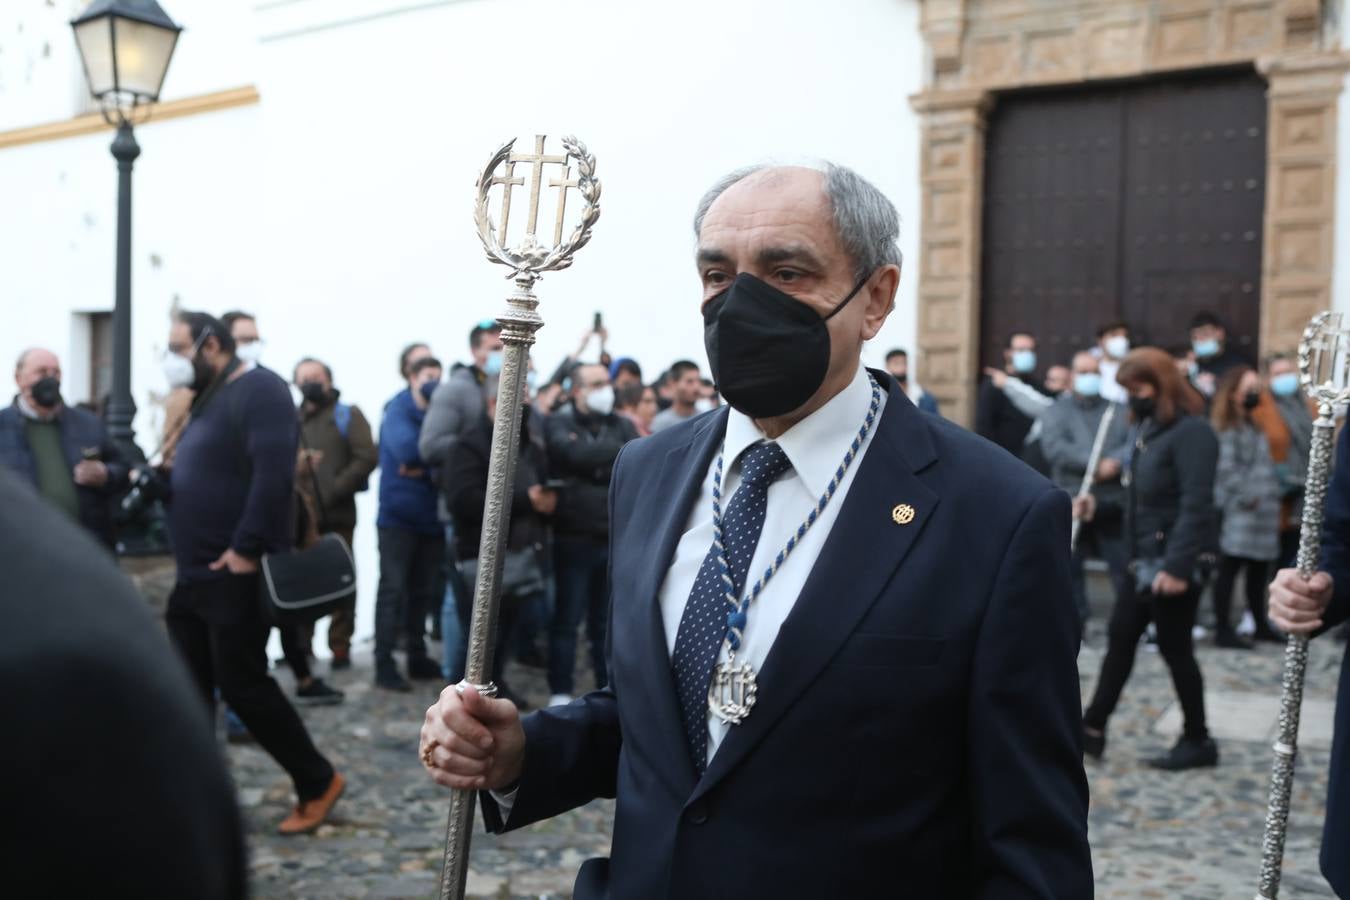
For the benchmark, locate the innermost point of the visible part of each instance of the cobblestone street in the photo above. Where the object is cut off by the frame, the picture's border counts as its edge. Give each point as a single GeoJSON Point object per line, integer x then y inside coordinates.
{"type": "Point", "coordinates": [1190, 835]}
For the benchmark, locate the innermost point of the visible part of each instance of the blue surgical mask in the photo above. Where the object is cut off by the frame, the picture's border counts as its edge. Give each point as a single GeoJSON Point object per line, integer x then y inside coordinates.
{"type": "Point", "coordinates": [493, 365]}
{"type": "Point", "coordinates": [1206, 348]}
{"type": "Point", "coordinates": [1285, 385]}
{"type": "Point", "coordinates": [1087, 384]}
{"type": "Point", "coordinates": [1024, 361]}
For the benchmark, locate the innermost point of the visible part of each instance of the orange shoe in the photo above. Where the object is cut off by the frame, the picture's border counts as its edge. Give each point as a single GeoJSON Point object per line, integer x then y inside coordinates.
{"type": "Point", "coordinates": [311, 814]}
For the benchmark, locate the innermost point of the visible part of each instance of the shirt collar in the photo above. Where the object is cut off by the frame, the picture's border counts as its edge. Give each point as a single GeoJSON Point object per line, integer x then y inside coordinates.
{"type": "Point", "coordinates": [28, 411]}
{"type": "Point", "coordinates": [816, 445]}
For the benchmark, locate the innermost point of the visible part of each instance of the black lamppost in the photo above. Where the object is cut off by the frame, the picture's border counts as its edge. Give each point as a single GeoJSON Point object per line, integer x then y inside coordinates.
{"type": "Point", "coordinates": [125, 46]}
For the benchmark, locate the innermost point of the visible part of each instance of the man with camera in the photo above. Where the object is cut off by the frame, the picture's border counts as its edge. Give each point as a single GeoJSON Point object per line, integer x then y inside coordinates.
{"type": "Point", "coordinates": [583, 441]}
{"type": "Point", "coordinates": [62, 451]}
{"type": "Point", "coordinates": [231, 501]}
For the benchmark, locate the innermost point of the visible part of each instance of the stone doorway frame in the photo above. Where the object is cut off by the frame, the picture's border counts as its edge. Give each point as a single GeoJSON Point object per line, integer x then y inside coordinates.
{"type": "Point", "coordinates": [978, 48]}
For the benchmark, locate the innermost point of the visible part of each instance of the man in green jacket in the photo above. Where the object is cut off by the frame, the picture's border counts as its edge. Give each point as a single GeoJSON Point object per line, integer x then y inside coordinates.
{"type": "Point", "coordinates": [337, 455]}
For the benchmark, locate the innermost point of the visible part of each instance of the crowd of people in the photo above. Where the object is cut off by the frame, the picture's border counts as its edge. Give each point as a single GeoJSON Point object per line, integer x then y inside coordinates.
{"type": "Point", "coordinates": [1177, 502]}
{"type": "Point", "coordinates": [1199, 479]}
{"type": "Point", "coordinates": [265, 468]}
{"type": "Point", "coordinates": [1184, 471]}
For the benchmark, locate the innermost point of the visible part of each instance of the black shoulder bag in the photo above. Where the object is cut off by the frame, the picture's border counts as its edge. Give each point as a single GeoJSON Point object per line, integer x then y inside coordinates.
{"type": "Point", "coordinates": [302, 585]}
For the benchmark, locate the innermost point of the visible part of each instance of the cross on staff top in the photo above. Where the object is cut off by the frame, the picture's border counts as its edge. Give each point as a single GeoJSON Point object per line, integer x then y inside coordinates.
{"type": "Point", "coordinates": [536, 161]}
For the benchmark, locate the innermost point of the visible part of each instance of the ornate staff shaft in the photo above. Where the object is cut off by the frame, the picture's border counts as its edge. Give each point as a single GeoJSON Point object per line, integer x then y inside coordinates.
{"type": "Point", "coordinates": [1295, 661]}
{"type": "Point", "coordinates": [1324, 370]}
{"type": "Point", "coordinates": [527, 261]}
{"type": "Point", "coordinates": [519, 323]}
{"type": "Point", "coordinates": [1094, 459]}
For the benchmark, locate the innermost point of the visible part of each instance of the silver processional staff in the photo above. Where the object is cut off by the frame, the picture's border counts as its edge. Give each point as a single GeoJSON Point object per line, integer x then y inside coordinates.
{"type": "Point", "coordinates": [527, 260]}
{"type": "Point", "coordinates": [1324, 368]}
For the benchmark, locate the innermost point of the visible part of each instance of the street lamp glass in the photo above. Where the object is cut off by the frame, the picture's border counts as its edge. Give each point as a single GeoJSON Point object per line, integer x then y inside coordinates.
{"type": "Point", "coordinates": [126, 46]}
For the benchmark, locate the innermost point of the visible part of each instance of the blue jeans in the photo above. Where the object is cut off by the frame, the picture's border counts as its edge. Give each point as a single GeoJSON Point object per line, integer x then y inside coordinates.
{"type": "Point", "coordinates": [581, 574]}
{"type": "Point", "coordinates": [454, 641]}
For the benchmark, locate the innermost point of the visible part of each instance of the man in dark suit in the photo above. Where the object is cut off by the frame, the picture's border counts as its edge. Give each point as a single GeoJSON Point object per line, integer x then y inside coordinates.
{"type": "Point", "coordinates": [1312, 607]}
{"type": "Point", "coordinates": [893, 704]}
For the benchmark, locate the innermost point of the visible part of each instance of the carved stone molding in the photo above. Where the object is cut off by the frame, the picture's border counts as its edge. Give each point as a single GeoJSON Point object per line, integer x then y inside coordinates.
{"type": "Point", "coordinates": [951, 176]}
{"type": "Point", "coordinates": [980, 47]}
{"type": "Point", "coordinates": [1300, 223]}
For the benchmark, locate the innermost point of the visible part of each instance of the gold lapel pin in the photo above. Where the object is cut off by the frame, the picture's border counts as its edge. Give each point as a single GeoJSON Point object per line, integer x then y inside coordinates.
{"type": "Point", "coordinates": [903, 514]}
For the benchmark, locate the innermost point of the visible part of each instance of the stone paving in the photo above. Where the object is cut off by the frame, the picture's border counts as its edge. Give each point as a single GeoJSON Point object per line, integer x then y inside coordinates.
{"type": "Point", "coordinates": [1190, 835]}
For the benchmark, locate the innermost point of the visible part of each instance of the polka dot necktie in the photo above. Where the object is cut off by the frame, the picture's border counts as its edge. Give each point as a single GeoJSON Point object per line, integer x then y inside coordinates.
{"type": "Point", "coordinates": [703, 625]}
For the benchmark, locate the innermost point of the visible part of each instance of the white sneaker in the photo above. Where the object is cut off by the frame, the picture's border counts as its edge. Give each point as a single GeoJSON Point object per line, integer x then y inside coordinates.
{"type": "Point", "coordinates": [1247, 627]}
{"type": "Point", "coordinates": [560, 700]}
{"type": "Point", "coordinates": [1199, 632]}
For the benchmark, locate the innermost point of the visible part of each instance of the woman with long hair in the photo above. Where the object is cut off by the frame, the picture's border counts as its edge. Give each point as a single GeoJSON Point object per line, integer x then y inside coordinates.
{"type": "Point", "coordinates": [1170, 525]}
{"type": "Point", "coordinates": [1247, 494]}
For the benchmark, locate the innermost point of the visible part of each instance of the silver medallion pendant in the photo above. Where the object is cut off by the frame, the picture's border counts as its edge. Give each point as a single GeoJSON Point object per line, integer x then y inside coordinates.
{"type": "Point", "coordinates": [732, 691]}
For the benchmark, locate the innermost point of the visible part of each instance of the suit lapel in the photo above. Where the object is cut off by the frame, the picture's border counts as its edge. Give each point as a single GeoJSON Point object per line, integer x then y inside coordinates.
{"type": "Point", "coordinates": [857, 561]}
{"type": "Point", "coordinates": [677, 488]}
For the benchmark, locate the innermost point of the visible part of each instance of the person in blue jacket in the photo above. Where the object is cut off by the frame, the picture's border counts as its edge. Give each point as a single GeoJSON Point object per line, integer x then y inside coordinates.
{"type": "Point", "coordinates": [1313, 607]}
{"type": "Point", "coordinates": [412, 543]}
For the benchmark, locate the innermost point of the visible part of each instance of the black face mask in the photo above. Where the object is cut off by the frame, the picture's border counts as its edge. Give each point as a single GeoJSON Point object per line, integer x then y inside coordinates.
{"type": "Point", "coordinates": [428, 389]}
{"type": "Point", "coordinates": [769, 351]}
{"type": "Point", "coordinates": [1143, 407]}
{"type": "Point", "coordinates": [314, 392]}
{"type": "Point", "coordinates": [1251, 401]}
{"type": "Point", "coordinates": [47, 392]}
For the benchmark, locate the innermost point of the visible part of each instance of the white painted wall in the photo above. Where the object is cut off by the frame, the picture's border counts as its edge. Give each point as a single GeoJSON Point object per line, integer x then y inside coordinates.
{"type": "Point", "coordinates": [338, 209]}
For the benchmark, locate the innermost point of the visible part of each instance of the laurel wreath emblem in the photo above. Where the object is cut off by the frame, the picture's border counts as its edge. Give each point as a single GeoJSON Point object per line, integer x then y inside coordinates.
{"type": "Point", "coordinates": [529, 256]}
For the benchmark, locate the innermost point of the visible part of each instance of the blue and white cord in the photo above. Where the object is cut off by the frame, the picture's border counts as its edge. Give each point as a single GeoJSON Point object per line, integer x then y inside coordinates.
{"type": "Point", "coordinates": [737, 617]}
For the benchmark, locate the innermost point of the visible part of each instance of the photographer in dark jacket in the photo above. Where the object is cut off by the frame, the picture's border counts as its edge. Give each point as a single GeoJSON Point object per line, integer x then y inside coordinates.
{"type": "Point", "coordinates": [62, 451]}
{"type": "Point", "coordinates": [1170, 525]}
{"type": "Point", "coordinates": [522, 580]}
{"type": "Point", "coordinates": [231, 502]}
{"type": "Point", "coordinates": [584, 439]}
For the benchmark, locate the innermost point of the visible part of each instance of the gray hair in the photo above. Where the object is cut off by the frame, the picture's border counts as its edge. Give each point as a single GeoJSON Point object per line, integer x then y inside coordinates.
{"type": "Point", "coordinates": [866, 222]}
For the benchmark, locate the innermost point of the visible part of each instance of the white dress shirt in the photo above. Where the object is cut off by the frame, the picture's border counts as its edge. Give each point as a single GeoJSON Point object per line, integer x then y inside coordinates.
{"type": "Point", "coordinates": [815, 446]}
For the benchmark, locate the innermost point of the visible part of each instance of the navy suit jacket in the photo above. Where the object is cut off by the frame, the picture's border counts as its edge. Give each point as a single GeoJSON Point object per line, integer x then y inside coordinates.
{"type": "Point", "coordinates": [1336, 562]}
{"type": "Point", "coordinates": [917, 729]}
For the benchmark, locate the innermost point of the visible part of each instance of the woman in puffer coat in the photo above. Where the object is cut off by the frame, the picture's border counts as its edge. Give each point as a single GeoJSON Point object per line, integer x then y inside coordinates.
{"type": "Point", "coordinates": [1247, 494]}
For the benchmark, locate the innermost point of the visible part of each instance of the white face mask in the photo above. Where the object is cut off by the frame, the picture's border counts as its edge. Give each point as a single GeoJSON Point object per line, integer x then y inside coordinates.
{"type": "Point", "coordinates": [601, 400]}
{"type": "Point", "coordinates": [250, 352]}
{"type": "Point", "coordinates": [178, 371]}
{"type": "Point", "coordinates": [1118, 346]}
